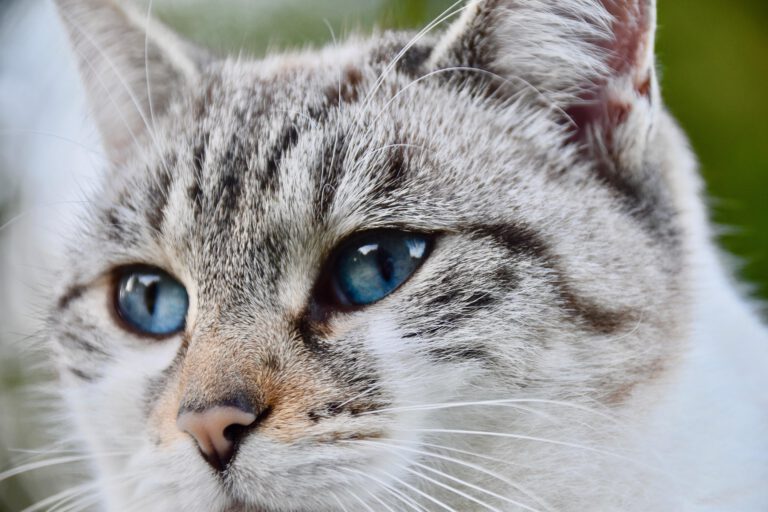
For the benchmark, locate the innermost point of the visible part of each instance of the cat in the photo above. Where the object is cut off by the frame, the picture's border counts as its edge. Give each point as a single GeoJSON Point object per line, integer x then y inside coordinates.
{"type": "Point", "coordinates": [461, 269]}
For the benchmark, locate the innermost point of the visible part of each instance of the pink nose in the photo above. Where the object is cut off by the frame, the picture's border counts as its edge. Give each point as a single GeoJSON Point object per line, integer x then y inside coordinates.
{"type": "Point", "coordinates": [217, 431]}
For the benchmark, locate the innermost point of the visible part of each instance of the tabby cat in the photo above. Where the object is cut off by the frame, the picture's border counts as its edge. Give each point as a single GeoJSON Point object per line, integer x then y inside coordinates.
{"type": "Point", "coordinates": [460, 269]}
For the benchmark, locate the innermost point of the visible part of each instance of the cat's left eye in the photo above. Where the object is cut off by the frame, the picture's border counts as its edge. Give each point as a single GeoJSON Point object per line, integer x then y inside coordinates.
{"type": "Point", "coordinates": [150, 301]}
{"type": "Point", "coordinates": [372, 265]}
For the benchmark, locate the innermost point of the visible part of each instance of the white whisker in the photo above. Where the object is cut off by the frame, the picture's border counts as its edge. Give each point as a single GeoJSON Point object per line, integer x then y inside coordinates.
{"type": "Point", "coordinates": [123, 84]}
{"type": "Point", "coordinates": [450, 488]}
{"type": "Point", "coordinates": [146, 64]}
{"type": "Point", "coordinates": [445, 15]}
{"type": "Point", "coordinates": [360, 500]}
{"type": "Point", "coordinates": [338, 501]}
{"type": "Point", "coordinates": [398, 494]}
{"type": "Point", "coordinates": [470, 465]}
{"type": "Point", "coordinates": [33, 466]}
{"type": "Point", "coordinates": [522, 437]}
{"type": "Point", "coordinates": [379, 500]}
{"type": "Point", "coordinates": [420, 493]}
{"type": "Point", "coordinates": [514, 402]}
{"type": "Point", "coordinates": [475, 487]}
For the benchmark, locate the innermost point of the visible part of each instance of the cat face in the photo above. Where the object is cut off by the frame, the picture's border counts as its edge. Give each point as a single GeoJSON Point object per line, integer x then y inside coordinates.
{"type": "Point", "coordinates": [375, 253]}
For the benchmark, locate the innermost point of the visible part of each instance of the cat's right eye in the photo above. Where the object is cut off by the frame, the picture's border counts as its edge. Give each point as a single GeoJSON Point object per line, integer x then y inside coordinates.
{"type": "Point", "coordinates": [150, 301]}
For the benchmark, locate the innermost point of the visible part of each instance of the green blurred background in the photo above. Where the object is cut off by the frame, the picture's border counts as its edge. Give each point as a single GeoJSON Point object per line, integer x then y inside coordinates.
{"type": "Point", "coordinates": [714, 66]}
{"type": "Point", "coordinates": [714, 61]}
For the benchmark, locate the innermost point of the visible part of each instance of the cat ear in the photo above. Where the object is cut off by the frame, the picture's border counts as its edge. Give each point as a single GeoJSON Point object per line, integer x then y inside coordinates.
{"type": "Point", "coordinates": [592, 59]}
{"type": "Point", "coordinates": [131, 66]}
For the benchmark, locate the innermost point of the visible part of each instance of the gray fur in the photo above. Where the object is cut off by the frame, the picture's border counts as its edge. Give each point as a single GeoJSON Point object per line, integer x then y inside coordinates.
{"type": "Point", "coordinates": [559, 270]}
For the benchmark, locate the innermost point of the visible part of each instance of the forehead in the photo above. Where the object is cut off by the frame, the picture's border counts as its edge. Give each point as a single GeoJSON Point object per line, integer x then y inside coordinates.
{"type": "Point", "coordinates": [266, 167]}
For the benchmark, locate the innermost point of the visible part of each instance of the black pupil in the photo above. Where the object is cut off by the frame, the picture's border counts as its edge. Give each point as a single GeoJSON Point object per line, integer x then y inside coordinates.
{"type": "Point", "coordinates": [150, 296]}
{"type": "Point", "coordinates": [386, 265]}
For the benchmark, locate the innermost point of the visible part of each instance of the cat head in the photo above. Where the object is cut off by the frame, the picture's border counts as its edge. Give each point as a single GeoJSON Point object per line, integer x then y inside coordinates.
{"type": "Point", "coordinates": [308, 278]}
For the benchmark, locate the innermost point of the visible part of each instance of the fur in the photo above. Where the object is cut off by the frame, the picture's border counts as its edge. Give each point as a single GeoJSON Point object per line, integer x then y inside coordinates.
{"type": "Point", "coordinates": [571, 343]}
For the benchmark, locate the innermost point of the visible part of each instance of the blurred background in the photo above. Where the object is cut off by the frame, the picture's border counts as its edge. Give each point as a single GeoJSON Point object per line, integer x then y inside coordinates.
{"type": "Point", "coordinates": [714, 67]}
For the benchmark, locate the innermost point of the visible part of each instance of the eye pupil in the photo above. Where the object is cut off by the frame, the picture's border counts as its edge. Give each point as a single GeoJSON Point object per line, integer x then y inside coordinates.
{"type": "Point", "coordinates": [150, 297]}
{"type": "Point", "coordinates": [386, 265]}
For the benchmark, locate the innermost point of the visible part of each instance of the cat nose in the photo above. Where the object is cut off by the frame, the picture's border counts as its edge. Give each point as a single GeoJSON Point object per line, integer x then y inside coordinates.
{"type": "Point", "coordinates": [217, 430]}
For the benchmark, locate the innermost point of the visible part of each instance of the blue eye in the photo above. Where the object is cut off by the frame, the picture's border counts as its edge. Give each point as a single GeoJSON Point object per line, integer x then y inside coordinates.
{"type": "Point", "coordinates": [151, 301]}
{"type": "Point", "coordinates": [373, 265]}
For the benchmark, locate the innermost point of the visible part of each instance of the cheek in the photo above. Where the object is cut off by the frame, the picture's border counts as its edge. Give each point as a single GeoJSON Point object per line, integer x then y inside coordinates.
{"type": "Point", "coordinates": [164, 412]}
{"type": "Point", "coordinates": [113, 409]}
{"type": "Point", "coordinates": [407, 358]}
{"type": "Point", "coordinates": [411, 375]}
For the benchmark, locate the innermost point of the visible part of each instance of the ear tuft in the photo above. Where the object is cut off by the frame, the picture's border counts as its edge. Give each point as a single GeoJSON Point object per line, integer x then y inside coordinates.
{"type": "Point", "coordinates": [131, 65]}
{"type": "Point", "coordinates": [629, 86]}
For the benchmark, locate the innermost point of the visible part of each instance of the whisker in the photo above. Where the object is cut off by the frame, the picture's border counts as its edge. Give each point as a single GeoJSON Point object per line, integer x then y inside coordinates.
{"type": "Point", "coordinates": [18, 217]}
{"type": "Point", "coordinates": [297, 113]}
{"type": "Point", "coordinates": [532, 438]}
{"type": "Point", "coordinates": [507, 402]}
{"type": "Point", "coordinates": [419, 492]}
{"type": "Point", "coordinates": [60, 499]}
{"type": "Point", "coordinates": [379, 500]}
{"type": "Point", "coordinates": [452, 489]}
{"type": "Point", "coordinates": [360, 500]}
{"type": "Point", "coordinates": [365, 159]}
{"type": "Point", "coordinates": [422, 78]}
{"type": "Point", "coordinates": [123, 83]}
{"type": "Point", "coordinates": [470, 465]}
{"type": "Point", "coordinates": [365, 392]}
{"type": "Point", "coordinates": [398, 494]}
{"type": "Point", "coordinates": [338, 501]}
{"type": "Point", "coordinates": [445, 15]}
{"type": "Point", "coordinates": [61, 496]}
{"type": "Point", "coordinates": [146, 64]}
{"type": "Point", "coordinates": [52, 462]}
{"type": "Point", "coordinates": [466, 452]}
{"type": "Point", "coordinates": [31, 131]}
{"type": "Point", "coordinates": [475, 487]}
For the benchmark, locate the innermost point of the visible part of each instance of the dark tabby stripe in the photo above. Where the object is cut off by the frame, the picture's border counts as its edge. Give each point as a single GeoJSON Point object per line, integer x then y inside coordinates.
{"type": "Point", "coordinates": [82, 375]}
{"type": "Point", "coordinates": [72, 293]}
{"type": "Point", "coordinates": [285, 142]}
{"type": "Point", "coordinates": [521, 239]}
{"type": "Point", "coordinates": [116, 230]}
{"type": "Point", "coordinates": [517, 239]}
{"type": "Point", "coordinates": [199, 156]}
{"type": "Point", "coordinates": [394, 172]}
{"type": "Point", "coordinates": [228, 189]}
{"type": "Point", "coordinates": [645, 198]}
{"type": "Point", "coordinates": [452, 354]}
{"type": "Point", "coordinates": [330, 172]}
{"type": "Point", "coordinates": [77, 342]}
{"type": "Point", "coordinates": [351, 368]}
{"type": "Point", "coordinates": [450, 309]}
{"type": "Point", "coordinates": [158, 199]}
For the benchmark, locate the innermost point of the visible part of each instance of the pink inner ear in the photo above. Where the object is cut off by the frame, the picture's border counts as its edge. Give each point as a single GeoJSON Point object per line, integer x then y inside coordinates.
{"type": "Point", "coordinates": [632, 33]}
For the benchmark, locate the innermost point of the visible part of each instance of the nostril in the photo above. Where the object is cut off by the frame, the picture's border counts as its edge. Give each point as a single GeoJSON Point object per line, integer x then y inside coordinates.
{"type": "Point", "coordinates": [233, 433]}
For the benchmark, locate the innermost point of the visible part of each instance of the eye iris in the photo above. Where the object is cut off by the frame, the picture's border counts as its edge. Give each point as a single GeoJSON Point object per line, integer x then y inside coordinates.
{"type": "Point", "coordinates": [369, 269]}
{"type": "Point", "coordinates": [152, 302]}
